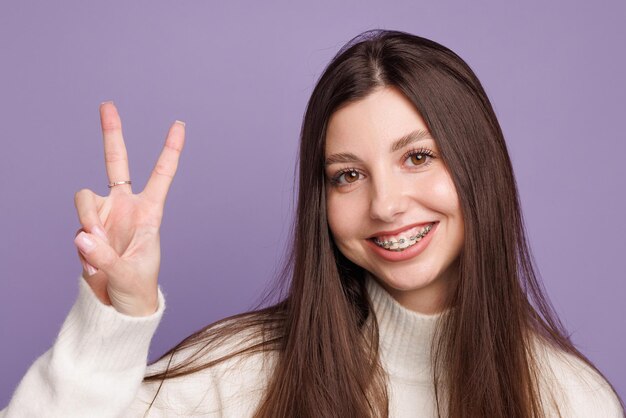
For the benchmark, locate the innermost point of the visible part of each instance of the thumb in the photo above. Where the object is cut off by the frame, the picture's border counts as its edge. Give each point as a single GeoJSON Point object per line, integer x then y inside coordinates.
{"type": "Point", "coordinates": [99, 253]}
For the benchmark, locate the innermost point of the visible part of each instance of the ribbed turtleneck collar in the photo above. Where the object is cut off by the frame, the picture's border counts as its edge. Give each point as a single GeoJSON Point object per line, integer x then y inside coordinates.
{"type": "Point", "coordinates": [405, 335]}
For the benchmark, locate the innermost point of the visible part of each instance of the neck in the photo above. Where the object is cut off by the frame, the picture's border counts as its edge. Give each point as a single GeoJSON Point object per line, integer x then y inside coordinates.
{"type": "Point", "coordinates": [405, 335]}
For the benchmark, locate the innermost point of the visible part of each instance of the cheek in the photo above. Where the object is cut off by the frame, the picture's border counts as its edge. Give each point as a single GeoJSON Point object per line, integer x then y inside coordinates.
{"type": "Point", "coordinates": [343, 216]}
{"type": "Point", "coordinates": [335, 216]}
{"type": "Point", "coordinates": [444, 193]}
{"type": "Point", "coordinates": [445, 196]}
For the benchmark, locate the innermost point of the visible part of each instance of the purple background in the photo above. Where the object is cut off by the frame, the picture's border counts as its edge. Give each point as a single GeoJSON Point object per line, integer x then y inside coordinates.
{"type": "Point", "coordinates": [240, 74]}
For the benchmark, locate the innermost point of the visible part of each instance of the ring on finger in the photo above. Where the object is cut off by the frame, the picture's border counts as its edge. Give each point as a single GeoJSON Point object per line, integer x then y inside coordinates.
{"type": "Point", "coordinates": [117, 183]}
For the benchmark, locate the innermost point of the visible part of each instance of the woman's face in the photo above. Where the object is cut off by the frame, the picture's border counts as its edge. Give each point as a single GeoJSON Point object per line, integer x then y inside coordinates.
{"type": "Point", "coordinates": [382, 185]}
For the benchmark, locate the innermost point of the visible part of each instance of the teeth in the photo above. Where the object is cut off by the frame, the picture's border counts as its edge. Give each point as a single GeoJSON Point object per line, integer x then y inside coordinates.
{"type": "Point", "coordinates": [406, 244]}
{"type": "Point", "coordinates": [403, 242]}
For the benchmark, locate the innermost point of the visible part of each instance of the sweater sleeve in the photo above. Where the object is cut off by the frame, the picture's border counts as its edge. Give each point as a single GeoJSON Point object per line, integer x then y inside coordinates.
{"type": "Point", "coordinates": [575, 389]}
{"type": "Point", "coordinates": [95, 366]}
{"type": "Point", "coordinates": [587, 393]}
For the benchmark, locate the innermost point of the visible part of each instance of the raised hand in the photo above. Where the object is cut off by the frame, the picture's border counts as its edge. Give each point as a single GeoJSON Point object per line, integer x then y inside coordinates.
{"type": "Point", "coordinates": [118, 243]}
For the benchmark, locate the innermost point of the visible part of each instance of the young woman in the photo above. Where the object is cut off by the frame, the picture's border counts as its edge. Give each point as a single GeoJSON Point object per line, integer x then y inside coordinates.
{"type": "Point", "coordinates": [410, 286]}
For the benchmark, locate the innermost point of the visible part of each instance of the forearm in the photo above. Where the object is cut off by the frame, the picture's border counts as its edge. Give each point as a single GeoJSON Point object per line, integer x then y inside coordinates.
{"type": "Point", "coordinates": [95, 366]}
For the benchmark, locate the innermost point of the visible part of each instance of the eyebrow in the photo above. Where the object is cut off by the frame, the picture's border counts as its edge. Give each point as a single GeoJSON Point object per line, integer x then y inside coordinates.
{"type": "Point", "coordinates": [348, 157]}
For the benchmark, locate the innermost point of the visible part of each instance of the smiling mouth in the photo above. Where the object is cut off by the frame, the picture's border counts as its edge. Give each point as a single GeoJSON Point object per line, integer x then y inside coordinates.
{"type": "Point", "coordinates": [401, 243]}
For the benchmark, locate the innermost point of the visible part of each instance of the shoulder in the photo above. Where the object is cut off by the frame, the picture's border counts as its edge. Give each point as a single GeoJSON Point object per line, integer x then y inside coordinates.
{"type": "Point", "coordinates": [222, 379]}
{"type": "Point", "coordinates": [575, 386]}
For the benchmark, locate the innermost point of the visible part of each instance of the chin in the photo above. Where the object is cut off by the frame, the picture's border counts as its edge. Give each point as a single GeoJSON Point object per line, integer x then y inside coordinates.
{"type": "Point", "coordinates": [407, 284]}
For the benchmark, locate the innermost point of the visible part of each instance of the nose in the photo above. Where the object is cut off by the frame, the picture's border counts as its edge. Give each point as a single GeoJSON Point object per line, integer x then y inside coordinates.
{"type": "Point", "coordinates": [387, 199]}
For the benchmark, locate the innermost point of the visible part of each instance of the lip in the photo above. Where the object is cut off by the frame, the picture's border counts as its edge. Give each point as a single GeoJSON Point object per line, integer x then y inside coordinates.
{"type": "Point", "coordinates": [407, 254]}
{"type": "Point", "coordinates": [397, 231]}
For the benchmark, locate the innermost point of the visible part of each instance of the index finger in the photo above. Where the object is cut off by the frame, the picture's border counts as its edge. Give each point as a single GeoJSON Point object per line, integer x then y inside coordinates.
{"type": "Point", "coordinates": [165, 168]}
{"type": "Point", "coordinates": [115, 156]}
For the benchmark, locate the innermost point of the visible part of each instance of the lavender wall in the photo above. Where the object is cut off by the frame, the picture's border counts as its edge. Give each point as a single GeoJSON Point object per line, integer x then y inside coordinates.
{"type": "Point", "coordinates": [240, 75]}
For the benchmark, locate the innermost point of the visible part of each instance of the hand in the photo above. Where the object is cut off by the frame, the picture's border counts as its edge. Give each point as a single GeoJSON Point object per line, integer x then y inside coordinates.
{"type": "Point", "coordinates": [122, 263]}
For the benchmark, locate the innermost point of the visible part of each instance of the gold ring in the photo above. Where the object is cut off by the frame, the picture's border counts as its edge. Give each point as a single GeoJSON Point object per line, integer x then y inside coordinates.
{"type": "Point", "coordinates": [117, 183]}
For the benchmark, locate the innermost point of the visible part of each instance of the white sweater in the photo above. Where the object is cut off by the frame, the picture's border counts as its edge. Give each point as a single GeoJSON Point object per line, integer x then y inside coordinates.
{"type": "Point", "coordinates": [96, 365]}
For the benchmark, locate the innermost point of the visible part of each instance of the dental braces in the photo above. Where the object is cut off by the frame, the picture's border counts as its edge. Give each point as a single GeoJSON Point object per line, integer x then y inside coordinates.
{"type": "Point", "coordinates": [403, 240]}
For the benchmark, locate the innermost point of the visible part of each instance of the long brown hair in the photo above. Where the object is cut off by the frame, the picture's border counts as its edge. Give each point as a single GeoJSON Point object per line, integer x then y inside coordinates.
{"type": "Point", "coordinates": [327, 354]}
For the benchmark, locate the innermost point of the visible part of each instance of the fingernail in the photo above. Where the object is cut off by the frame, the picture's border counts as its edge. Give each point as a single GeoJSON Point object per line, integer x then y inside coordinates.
{"type": "Point", "coordinates": [110, 101]}
{"type": "Point", "coordinates": [100, 232]}
{"type": "Point", "coordinates": [91, 269]}
{"type": "Point", "coordinates": [84, 243]}
{"type": "Point", "coordinates": [180, 122]}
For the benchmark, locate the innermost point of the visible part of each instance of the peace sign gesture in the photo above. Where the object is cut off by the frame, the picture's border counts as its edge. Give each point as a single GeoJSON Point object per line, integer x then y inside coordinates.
{"type": "Point", "coordinates": [119, 243]}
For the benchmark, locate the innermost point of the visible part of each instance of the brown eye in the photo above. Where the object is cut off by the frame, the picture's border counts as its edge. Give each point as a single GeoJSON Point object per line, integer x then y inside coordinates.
{"type": "Point", "coordinates": [417, 159]}
{"type": "Point", "coordinates": [351, 176]}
